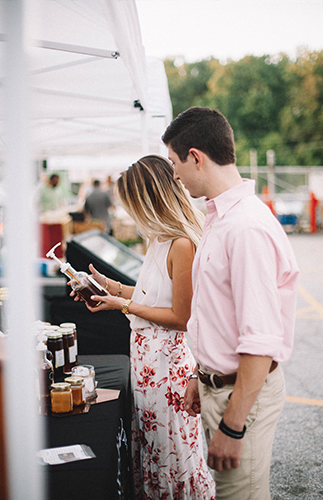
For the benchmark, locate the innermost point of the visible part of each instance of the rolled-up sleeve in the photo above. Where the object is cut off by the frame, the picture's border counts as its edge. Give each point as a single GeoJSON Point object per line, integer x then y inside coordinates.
{"type": "Point", "coordinates": [263, 287]}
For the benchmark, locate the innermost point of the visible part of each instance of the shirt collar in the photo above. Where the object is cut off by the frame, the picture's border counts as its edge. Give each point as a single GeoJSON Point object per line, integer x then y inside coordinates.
{"type": "Point", "coordinates": [225, 201]}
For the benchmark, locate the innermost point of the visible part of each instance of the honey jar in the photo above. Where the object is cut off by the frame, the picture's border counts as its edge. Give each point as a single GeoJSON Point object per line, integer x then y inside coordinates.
{"type": "Point", "coordinates": [61, 397]}
{"type": "Point", "coordinates": [78, 389]}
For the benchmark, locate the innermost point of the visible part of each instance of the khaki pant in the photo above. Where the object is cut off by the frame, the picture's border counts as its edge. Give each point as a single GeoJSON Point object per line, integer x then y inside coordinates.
{"type": "Point", "coordinates": [250, 481]}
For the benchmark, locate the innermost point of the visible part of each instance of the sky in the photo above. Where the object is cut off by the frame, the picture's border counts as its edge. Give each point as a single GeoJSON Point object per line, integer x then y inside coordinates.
{"type": "Point", "coordinates": [229, 29]}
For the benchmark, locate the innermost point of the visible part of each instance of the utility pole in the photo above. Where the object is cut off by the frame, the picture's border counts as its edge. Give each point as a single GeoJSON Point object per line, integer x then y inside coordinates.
{"type": "Point", "coordinates": [254, 168]}
{"type": "Point", "coordinates": [270, 172]}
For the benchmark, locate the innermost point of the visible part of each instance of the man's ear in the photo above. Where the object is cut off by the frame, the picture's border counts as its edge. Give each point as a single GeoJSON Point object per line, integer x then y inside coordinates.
{"type": "Point", "coordinates": [196, 155]}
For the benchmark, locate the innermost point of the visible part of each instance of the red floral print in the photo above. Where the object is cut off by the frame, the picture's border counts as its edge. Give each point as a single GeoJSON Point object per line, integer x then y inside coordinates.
{"type": "Point", "coordinates": [167, 446]}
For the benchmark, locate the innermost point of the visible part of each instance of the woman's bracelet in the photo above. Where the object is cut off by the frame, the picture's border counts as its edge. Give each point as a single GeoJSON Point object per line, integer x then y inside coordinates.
{"type": "Point", "coordinates": [119, 292]}
{"type": "Point", "coordinates": [192, 376]}
{"type": "Point", "coordinates": [230, 432]}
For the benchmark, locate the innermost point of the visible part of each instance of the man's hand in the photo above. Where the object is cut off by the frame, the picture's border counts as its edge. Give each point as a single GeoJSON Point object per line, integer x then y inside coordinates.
{"type": "Point", "coordinates": [192, 402]}
{"type": "Point", "coordinates": [224, 452]}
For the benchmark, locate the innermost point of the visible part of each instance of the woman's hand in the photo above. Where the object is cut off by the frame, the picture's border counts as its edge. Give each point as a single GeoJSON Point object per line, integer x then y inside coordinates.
{"type": "Point", "coordinates": [192, 401]}
{"type": "Point", "coordinates": [107, 303]}
{"type": "Point", "coordinates": [74, 293]}
{"type": "Point", "coordinates": [98, 277]}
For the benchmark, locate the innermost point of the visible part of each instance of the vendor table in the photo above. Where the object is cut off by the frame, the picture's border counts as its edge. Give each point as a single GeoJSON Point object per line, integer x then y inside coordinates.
{"type": "Point", "coordinates": [106, 429]}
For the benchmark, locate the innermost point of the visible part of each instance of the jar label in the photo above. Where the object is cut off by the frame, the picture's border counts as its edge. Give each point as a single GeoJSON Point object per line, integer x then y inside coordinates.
{"type": "Point", "coordinates": [72, 353]}
{"type": "Point", "coordinates": [59, 358]}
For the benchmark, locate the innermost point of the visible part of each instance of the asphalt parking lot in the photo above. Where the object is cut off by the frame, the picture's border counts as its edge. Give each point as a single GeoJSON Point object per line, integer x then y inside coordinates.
{"type": "Point", "coordinates": [297, 462]}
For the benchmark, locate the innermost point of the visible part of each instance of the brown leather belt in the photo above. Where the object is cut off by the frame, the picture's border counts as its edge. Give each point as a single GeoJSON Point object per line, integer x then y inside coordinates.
{"type": "Point", "coordinates": [218, 381]}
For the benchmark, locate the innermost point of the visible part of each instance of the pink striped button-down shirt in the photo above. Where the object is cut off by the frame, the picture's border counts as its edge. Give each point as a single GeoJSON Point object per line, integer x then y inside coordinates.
{"type": "Point", "coordinates": [244, 283]}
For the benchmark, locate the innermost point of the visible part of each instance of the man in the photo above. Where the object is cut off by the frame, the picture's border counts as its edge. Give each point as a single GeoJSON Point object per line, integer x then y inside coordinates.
{"type": "Point", "coordinates": [97, 204]}
{"type": "Point", "coordinates": [50, 195]}
{"type": "Point", "coordinates": [243, 307]}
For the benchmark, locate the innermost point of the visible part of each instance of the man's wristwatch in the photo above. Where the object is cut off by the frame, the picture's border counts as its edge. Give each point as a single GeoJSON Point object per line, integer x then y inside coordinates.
{"type": "Point", "coordinates": [192, 376]}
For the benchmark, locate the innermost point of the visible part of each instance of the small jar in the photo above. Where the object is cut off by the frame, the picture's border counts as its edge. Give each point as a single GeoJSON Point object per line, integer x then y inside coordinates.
{"type": "Point", "coordinates": [69, 350]}
{"type": "Point", "coordinates": [78, 389]}
{"type": "Point", "coordinates": [88, 374]}
{"type": "Point", "coordinates": [61, 398]}
{"type": "Point", "coordinates": [55, 346]}
{"type": "Point", "coordinates": [72, 325]}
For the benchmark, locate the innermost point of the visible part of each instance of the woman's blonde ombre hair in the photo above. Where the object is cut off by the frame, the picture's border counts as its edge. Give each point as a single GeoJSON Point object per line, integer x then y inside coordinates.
{"type": "Point", "coordinates": [158, 204]}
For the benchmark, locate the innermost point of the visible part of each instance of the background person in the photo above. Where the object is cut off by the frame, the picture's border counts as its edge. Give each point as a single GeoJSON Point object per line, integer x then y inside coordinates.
{"type": "Point", "coordinates": [97, 205]}
{"type": "Point", "coordinates": [50, 195]}
{"type": "Point", "coordinates": [243, 307]}
{"type": "Point", "coordinates": [166, 443]}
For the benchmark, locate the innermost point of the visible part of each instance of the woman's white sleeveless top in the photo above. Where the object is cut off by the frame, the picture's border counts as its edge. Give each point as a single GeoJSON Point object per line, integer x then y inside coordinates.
{"type": "Point", "coordinates": [154, 287]}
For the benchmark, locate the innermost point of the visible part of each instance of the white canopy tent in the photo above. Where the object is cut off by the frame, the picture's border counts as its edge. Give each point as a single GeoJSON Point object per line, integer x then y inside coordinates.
{"type": "Point", "coordinates": [74, 81]}
{"type": "Point", "coordinates": [94, 92]}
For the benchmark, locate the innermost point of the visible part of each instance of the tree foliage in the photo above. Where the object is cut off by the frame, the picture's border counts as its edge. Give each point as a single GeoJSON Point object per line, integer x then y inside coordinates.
{"type": "Point", "coordinates": [272, 102]}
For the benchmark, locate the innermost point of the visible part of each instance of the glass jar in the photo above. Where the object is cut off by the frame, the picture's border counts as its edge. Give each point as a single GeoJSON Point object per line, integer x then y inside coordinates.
{"type": "Point", "coordinates": [88, 374]}
{"type": "Point", "coordinates": [69, 351]}
{"type": "Point", "coordinates": [78, 389]}
{"type": "Point", "coordinates": [45, 375]}
{"type": "Point", "coordinates": [61, 398]}
{"type": "Point", "coordinates": [72, 325]}
{"type": "Point", "coordinates": [55, 346]}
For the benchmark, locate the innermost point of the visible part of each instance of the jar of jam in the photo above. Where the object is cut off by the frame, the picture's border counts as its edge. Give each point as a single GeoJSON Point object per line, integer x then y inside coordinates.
{"type": "Point", "coordinates": [78, 389]}
{"type": "Point", "coordinates": [61, 398]}
{"type": "Point", "coordinates": [69, 351]}
{"type": "Point", "coordinates": [55, 346]}
{"type": "Point", "coordinates": [72, 325]}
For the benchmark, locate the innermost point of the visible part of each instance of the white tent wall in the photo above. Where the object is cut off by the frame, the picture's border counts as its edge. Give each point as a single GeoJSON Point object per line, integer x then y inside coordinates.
{"type": "Point", "coordinates": [89, 71]}
{"type": "Point", "coordinates": [90, 94]}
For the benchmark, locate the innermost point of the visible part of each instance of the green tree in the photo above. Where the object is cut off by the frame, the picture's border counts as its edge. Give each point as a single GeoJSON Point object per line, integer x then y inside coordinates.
{"type": "Point", "coordinates": [187, 83]}
{"type": "Point", "coordinates": [251, 94]}
{"type": "Point", "coordinates": [301, 124]}
{"type": "Point", "coordinates": [270, 101]}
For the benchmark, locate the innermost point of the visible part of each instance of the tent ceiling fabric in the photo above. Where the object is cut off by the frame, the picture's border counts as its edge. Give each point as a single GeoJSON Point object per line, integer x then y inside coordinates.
{"type": "Point", "coordinates": [88, 68]}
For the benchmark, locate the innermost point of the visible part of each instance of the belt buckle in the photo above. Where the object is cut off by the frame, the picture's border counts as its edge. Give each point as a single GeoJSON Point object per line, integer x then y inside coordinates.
{"type": "Point", "coordinates": [216, 381]}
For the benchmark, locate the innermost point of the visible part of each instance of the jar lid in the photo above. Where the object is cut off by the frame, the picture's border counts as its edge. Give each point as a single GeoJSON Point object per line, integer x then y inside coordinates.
{"type": "Point", "coordinates": [61, 386]}
{"type": "Point", "coordinates": [82, 371]}
{"type": "Point", "coordinates": [66, 331]}
{"type": "Point", "coordinates": [51, 327]}
{"type": "Point", "coordinates": [68, 325]}
{"type": "Point", "coordinates": [54, 335]}
{"type": "Point", "coordinates": [74, 380]}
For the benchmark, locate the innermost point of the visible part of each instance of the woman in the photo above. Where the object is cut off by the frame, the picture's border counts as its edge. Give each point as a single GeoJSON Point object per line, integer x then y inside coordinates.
{"type": "Point", "coordinates": [167, 445]}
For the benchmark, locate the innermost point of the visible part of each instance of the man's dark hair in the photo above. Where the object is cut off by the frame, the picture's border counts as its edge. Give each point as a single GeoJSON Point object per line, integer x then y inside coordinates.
{"type": "Point", "coordinates": [96, 183]}
{"type": "Point", "coordinates": [54, 177]}
{"type": "Point", "coordinates": [204, 129]}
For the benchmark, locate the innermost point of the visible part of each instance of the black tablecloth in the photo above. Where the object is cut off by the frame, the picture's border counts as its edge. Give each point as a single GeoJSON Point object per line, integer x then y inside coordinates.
{"type": "Point", "coordinates": [106, 429]}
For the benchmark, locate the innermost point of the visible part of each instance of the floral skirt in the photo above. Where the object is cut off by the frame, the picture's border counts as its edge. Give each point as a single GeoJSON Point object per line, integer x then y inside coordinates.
{"type": "Point", "coordinates": [167, 446]}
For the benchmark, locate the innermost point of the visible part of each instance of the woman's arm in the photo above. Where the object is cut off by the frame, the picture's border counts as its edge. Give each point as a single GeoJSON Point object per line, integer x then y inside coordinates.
{"type": "Point", "coordinates": [113, 287]}
{"type": "Point", "coordinates": [179, 264]}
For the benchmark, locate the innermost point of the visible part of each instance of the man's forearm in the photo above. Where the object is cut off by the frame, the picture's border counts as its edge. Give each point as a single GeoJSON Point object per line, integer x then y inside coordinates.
{"type": "Point", "coordinates": [252, 373]}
